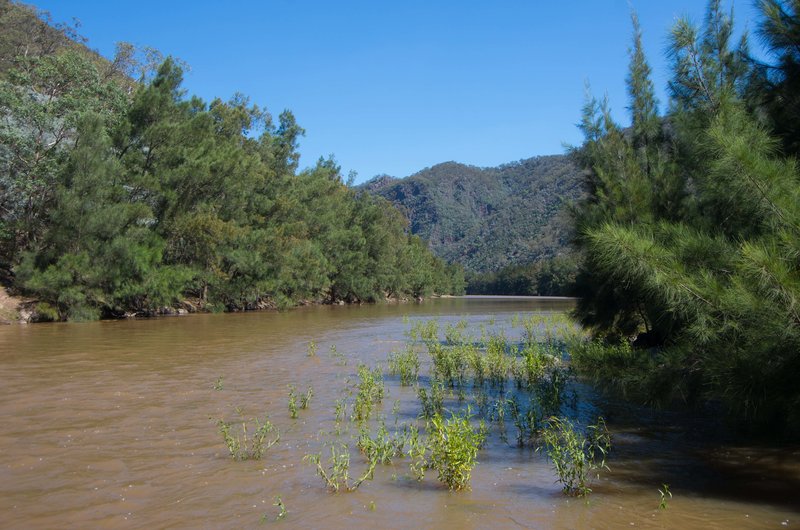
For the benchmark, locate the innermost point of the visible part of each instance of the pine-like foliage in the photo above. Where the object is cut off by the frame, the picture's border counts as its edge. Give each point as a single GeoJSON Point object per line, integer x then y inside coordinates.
{"type": "Point", "coordinates": [707, 283]}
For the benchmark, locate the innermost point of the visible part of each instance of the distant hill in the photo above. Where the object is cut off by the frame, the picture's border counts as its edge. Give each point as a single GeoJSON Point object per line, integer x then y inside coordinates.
{"type": "Point", "coordinates": [488, 218]}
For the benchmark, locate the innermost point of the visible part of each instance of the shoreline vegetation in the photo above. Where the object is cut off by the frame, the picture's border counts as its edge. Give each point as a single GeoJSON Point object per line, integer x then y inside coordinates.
{"type": "Point", "coordinates": [689, 234]}
{"type": "Point", "coordinates": [123, 194]}
{"type": "Point", "coordinates": [22, 310]}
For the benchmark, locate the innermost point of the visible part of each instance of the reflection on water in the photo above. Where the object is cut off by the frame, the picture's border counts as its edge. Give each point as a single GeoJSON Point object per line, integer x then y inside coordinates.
{"type": "Point", "coordinates": [113, 425]}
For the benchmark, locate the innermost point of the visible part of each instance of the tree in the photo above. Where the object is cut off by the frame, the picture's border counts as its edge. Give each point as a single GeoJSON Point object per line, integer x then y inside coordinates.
{"type": "Point", "coordinates": [708, 294]}
{"type": "Point", "coordinates": [42, 106]}
{"type": "Point", "coordinates": [775, 87]}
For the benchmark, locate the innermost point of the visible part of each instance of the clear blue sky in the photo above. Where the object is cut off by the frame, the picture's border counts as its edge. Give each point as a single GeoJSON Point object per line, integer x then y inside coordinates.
{"type": "Point", "coordinates": [393, 87]}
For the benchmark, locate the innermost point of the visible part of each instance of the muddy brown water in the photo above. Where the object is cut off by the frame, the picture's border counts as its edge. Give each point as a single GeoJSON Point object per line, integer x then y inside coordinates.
{"type": "Point", "coordinates": [113, 425]}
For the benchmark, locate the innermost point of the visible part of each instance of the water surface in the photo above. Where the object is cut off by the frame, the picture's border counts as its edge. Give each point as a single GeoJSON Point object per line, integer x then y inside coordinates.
{"type": "Point", "coordinates": [113, 425]}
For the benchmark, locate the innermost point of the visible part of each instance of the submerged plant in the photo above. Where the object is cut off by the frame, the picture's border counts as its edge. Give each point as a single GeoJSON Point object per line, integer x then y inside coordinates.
{"type": "Point", "coordinates": [451, 449]}
{"type": "Point", "coordinates": [576, 456]}
{"type": "Point", "coordinates": [370, 392]}
{"type": "Point", "coordinates": [432, 399]}
{"type": "Point", "coordinates": [292, 401]}
{"type": "Point", "coordinates": [241, 446]}
{"type": "Point", "coordinates": [528, 420]}
{"type": "Point", "coordinates": [340, 409]}
{"type": "Point", "coordinates": [219, 384]}
{"type": "Point", "coordinates": [281, 507]}
{"type": "Point", "coordinates": [406, 365]}
{"type": "Point", "coordinates": [384, 447]}
{"type": "Point", "coordinates": [336, 474]}
{"type": "Point", "coordinates": [454, 333]}
{"type": "Point", "coordinates": [497, 361]}
{"type": "Point", "coordinates": [305, 399]}
{"type": "Point", "coordinates": [341, 359]}
{"type": "Point", "coordinates": [425, 330]}
{"type": "Point", "coordinates": [312, 349]}
{"type": "Point", "coordinates": [664, 494]}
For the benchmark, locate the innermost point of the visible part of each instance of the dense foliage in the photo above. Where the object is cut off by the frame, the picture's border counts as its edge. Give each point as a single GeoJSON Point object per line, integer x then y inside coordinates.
{"type": "Point", "coordinates": [123, 197]}
{"type": "Point", "coordinates": [690, 232]}
{"type": "Point", "coordinates": [547, 277]}
{"type": "Point", "coordinates": [488, 219]}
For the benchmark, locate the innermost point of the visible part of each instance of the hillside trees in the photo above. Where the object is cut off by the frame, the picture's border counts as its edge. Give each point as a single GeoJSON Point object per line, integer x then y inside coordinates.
{"type": "Point", "coordinates": [115, 203]}
{"type": "Point", "coordinates": [41, 104]}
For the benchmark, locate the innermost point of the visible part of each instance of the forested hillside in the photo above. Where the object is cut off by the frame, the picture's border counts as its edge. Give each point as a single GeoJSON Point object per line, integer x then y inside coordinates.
{"type": "Point", "coordinates": [124, 196]}
{"type": "Point", "coordinates": [487, 219]}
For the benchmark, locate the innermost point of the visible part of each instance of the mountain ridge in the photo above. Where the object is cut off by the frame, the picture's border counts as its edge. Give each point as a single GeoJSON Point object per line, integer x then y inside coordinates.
{"type": "Point", "coordinates": [488, 218]}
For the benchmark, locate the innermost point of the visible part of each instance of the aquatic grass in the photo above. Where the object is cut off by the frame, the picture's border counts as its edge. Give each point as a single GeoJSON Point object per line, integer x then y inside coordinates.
{"type": "Point", "coordinates": [281, 507]}
{"type": "Point", "coordinates": [575, 455]}
{"type": "Point", "coordinates": [405, 364]}
{"type": "Point", "coordinates": [292, 403]}
{"type": "Point", "coordinates": [219, 384]}
{"type": "Point", "coordinates": [312, 349]}
{"type": "Point", "coordinates": [665, 493]}
{"type": "Point", "coordinates": [532, 406]}
{"type": "Point", "coordinates": [479, 366]}
{"type": "Point", "coordinates": [528, 420]}
{"type": "Point", "coordinates": [305, 399]}
{"type": "Point", "coordinates": [450, 448]}
{"type": "Point", "coordinates": [242, 446]}
{"type": "Point", "coordinates": [340, 410]}
{"type": "Point", "coordinates": [481, 400]}
{"type": "Point", "coordinates": [498, 416]}
{"type": "Point", "coordinates": [426, 331]}
{"type": "Point", "coordinates": [431, 399]}
{"type": "Point", "coordinates": [449, 363]}
{"type": "Point", "coordinates": [454, 333]}
{"type": "Point", "coordinates": [497, 361]}
{"type": "Point", "coordinates": [341, 360]}
{"type": "Point", "coordinates": [371, 389]}
{"type": "Point", "coordinates": [336, 474]}
{"type": "Point", "coordinates": [548, 329]}
{"type": "Point", "coordinates": [384, 447]}
{"type": "Point", "coordinates": [529, 368]}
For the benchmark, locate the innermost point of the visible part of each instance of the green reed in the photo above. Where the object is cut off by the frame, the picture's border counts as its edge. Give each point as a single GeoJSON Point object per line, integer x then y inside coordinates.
{"type": "Point", "coordinates": [336, 471]}
{"type": "Point", "coordinates": [245, 446]}
{"type": "Point", "coordinates": [405, 364]}
{"type": "Point", "coordinates": [576, 456]}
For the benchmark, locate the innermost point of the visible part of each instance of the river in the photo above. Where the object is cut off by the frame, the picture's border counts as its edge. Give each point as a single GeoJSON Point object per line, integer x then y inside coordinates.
{"type": "Point", "coordinates": [113, 424]}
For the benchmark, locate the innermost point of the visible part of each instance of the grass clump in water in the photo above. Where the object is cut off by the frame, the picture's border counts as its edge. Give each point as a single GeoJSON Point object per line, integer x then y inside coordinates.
{"type": "Point", "coordinates": [292, 401]}
{"type": "Point", "coordinates": [370, 392]}
{"type": "Point", "coordinates": [406, 365]}
{"type": "Point", "coordinates": [576, 456]}
{"type": "Point", "coordinates": [384, 447]}
{"type": "Point", "coordinates": [336, 474]}
{"type": "Point", "coordinates": [665, 495]}
{"type": "Point", "coordinates": [425, 330]}
{"type": "Point", "coordinates": [242, 446]}
{"type": "Point", "coordinates": [450, 449]}
{"type": "Point", "coordinates": [431, 399]}
{"type": "Point", "coordinates": [305, 399]}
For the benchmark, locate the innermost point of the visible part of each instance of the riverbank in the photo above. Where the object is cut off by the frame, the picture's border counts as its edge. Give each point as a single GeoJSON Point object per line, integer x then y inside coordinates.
{"type": "Point", "coordinates": [14, 309]}
{"type": "Point", "coordinates": [22, 310]}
